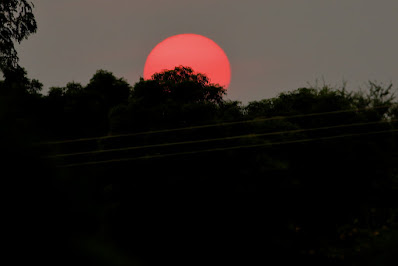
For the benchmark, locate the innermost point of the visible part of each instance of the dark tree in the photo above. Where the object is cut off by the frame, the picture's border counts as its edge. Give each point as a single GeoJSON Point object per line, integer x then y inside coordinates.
{"type": "Point", "coordinates": [108, 89]}
{"type": "Point", "coordinates": [83, 110]}
{"type": "Point", "coordinates": [18, 94]}
{"type": "Point", "coordinates": [20, 98]}
{"type": "Point", "coordinates": [177, 97]}
{"type": "Point", "coordinates": [181, 85]}
{"type": "Point", "coordinates": [17, 22]}
{"type": "Point", "coordinates": [17, 83]}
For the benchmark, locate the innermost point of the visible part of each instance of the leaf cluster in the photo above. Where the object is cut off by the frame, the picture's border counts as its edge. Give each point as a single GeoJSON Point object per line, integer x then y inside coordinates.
{"type": "Point", "coordinates": [181, 84]}
{"type": "Point", "coordinates": [17, 22]}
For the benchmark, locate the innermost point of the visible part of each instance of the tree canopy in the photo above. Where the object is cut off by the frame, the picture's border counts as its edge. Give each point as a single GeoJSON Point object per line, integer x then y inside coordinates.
{"type": "Point", "coordinates": [181, 85]}
{"type": "Point", "coordinates": [299, 170]}
{"type": "Point", "coordinates": [107, 173]}
{"type": "Point", "coordinates": [173, 97]}
{"type": "Point", "coordinates": [83, 110]}
{"type": "Point", "coordinates": [17, 22]}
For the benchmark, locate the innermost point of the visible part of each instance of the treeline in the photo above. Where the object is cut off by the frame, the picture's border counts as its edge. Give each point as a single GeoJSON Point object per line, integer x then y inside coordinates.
{"type": "Point", "coordinates": [168, 170]}
{"type": "Point", "coordinates": [108, 105]}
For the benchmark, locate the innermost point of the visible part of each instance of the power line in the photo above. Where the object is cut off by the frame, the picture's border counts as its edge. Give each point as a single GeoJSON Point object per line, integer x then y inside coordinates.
{"type": "Point", "coordinates": [224, 149]}
{"type": "Point", "coordinates": [219, 139]}
{"type": "Point", "coordinates": [256, 120]}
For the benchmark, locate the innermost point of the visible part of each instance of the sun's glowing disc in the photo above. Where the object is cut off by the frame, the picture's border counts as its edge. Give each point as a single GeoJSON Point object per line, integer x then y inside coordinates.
{"type": "Point", "coordinates": [191, 50]}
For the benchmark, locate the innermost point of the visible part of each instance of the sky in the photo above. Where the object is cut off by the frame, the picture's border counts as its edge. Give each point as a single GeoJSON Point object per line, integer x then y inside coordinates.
{"type": "Point", "coordinates": [273, 45]}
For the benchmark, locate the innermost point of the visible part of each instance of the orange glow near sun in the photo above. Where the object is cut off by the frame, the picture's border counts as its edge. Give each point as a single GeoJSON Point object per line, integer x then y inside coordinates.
{"type": "Point", "coordinates": [198, 52]}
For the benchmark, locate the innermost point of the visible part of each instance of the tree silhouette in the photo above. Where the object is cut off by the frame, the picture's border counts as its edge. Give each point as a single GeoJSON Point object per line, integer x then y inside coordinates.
{"type": "Point", "coordinates": [83, 110]}
{"type": "Point", "coordinates": [172, 97]}
{"type": "Point", "coordinates": [108, 89]}
{"type": "Point", "coordinates": [298, 171]}
{"type": "Point", "coordinates": [20, 100]}
{"type": "Point", "coordinates": [18, 84]}
{"type": "Point", "coordinates": [17, 22]}
{"type": "Point", "coordinates": [181, 85]}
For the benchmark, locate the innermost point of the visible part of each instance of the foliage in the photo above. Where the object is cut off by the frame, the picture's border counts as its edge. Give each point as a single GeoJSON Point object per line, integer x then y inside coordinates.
{"type": "Point", "coordinates": [181, 84]}
{"type": "Point", "coordinates": [301, 101]}
{"type": "Point", "coordinates": [21, 105]}
{"type": "Point", "coordinates": [110, 90]}
{"type": "Point", "coordinates": [17, 22]}
{"type": "Point", "coordinates": [292, 171]}
{"type": "Point", "coordinates": [178, 97]}
{"type": "Point", "coordinates": [18, 84]}
{"type": "Point", "coordinates": [83, 110]}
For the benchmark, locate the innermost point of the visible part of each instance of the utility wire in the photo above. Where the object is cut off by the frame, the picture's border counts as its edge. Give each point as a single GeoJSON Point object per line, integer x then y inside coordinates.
{"type": "Point", "coordinates": [219, 139]}
{"type": "Point", "coordinates": [225, 149]}
{"type": "Point", "coordinates": [256, 120]}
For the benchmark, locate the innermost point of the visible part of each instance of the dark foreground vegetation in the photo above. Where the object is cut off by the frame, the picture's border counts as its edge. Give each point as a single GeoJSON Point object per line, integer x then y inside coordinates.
{"type": "Point", "coordinates": [169, 172]}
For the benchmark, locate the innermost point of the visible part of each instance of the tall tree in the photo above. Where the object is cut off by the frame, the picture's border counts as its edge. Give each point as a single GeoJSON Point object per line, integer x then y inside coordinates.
{"type": "Point", "coordinates": [176, 97]}
{"type": "Point", "coordinates": [108, 89]}
{"type": "Point", "coordinates": [17, 23]}
{"type": "Point", "coordinates": [180, 84]}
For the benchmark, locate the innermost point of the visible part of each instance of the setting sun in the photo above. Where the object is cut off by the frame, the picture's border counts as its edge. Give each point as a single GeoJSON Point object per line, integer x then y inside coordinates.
{"type": "Point", "coordinates": [198, 52]}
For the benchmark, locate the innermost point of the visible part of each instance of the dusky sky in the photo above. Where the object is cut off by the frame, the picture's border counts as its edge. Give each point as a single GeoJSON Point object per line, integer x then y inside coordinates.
{"type": "Point", "coordinates": [273, 45]}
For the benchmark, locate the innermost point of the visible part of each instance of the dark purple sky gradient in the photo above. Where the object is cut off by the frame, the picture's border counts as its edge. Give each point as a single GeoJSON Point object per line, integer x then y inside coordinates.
{"type": "Point", "coordinates": [273, 45]}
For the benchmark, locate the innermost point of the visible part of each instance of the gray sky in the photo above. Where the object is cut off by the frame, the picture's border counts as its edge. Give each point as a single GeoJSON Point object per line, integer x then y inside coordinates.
{"type": "Point", "coordinates": [273, 45]}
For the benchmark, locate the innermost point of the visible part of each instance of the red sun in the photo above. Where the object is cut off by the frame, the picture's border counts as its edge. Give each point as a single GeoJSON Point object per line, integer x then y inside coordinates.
{"type": "Point", "coordinates": [191, 50]}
